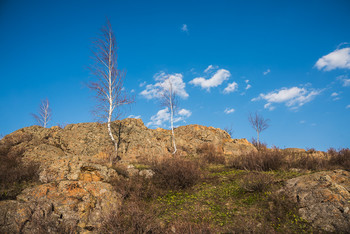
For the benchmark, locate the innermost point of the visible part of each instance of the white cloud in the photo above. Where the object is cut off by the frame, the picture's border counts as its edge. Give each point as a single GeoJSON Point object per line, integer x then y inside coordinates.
{"type": "Point", "coordinates": [293, 97]}
{"type": "Point", "coordinates": [182, 115]}
{"type": "Point", "coordinates": [229, 110]}
{"type": "Point", "coordinates": [210, 67]}
{"type": "Point", "coordinates": [132, 91]}
{"type": "Point", "coordinates": [142, 84]}
{"type": "Point", "coordinates": [217, 79]}
{"type": "Point", "coordinates": [334, 94]}
{"type": "Point", "coordinates": [135, 116]}
{"type": "Point", "coordinates": [153, 90]}
{"type": "Point", "coordinates": [347, 107]}
{"type": "Point", "coordinates": [269, 106]}
{"type": "Point", "coordinates": [185, 113]}
{"type": "Point", "coordinates": [248, 85]}
{"type": "Point", "coordinates": [302, 121]}
{"type": "Point", "coordinates": [266, 72]}
{"type": "Point", "coordinates": [163, 116]}
{"type": "Point", "coordinates": [344, 79]}
{"type": "Point", "coordinates": [340, 58]}
{"type": "Point", "coordinates": [184, 28]}
{"type": "Point", "coordinates": [231, 87]}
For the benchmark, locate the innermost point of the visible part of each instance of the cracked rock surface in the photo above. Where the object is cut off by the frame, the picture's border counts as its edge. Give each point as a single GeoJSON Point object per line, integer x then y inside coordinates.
{"type": "Point", "coordinates": [324, 199]}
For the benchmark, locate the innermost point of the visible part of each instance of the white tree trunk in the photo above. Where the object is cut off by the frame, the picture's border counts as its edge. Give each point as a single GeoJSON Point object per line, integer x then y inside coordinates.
{"type": "Point", "coordinates": [110, 99]}
{"type": "Point", "coordinates": [172, 118]}
{"type": "Point", "coordinates": [172, 128]}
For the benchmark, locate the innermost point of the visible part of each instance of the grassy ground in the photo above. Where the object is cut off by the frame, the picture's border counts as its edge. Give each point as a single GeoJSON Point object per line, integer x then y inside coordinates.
{"type": "Point", "coordinates": [206, 193]}
{"type": "Point", "coordinates": [223, 200]}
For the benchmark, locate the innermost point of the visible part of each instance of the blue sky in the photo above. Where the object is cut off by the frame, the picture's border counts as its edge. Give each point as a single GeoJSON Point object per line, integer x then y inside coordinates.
{"type": "Point", "coordinates": [287, 60]}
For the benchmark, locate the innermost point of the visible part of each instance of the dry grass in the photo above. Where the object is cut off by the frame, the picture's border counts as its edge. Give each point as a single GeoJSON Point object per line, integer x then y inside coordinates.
{"type": "Point", "coordinates": [256, 182]}
{"type": "Point", "coordinates": [209, 153]}
{"type": "Point", "coordinates": [131, 218]}
{"type": "Point", "coordinates": [260, 145]}
{"type": "Point", "coordinates": [136, 187]}
{"type": "Point", "coordinates": [175, 173]}
{"type": "Point", "coordinates": [263, 160]}
{"type": "Point", "coordinates": [340, 158]}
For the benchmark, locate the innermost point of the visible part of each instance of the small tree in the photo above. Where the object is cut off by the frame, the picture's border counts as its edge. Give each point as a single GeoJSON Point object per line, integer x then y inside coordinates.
{"type": "Point", "coordinates": [229, 130]}
{"type": "Point", "coordinates": [108, 88]}
{"type": "Point", "coordinates": [259, 123]}
{"type": "Point", "coordinates": [44, 113]}
{"type": "Point", "coordinates": [168, 98]}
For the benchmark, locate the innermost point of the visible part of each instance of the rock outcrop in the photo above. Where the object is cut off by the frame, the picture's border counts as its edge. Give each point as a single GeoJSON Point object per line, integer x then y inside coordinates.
{"type": "Point", "coordinates": [135, 140]}
{"type": "Point", "coordinates": [324, 199]}
{"type": "Point", "coordinates": [74, 182]}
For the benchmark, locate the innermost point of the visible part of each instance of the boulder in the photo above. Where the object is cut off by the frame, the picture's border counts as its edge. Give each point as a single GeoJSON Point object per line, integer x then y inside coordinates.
{"type": "Point", "coordinates": [323, 198]}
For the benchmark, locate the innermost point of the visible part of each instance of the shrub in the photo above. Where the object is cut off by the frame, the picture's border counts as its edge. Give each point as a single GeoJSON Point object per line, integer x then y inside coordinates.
{"type": "Point", "coordinates": [210, 154]}
{"type": "Point", "coordinates": [340, 159]}
{"type": "Point", "coordinates": [263, 160]}
{"type": "Point", "coordinates": [260, 145]}
{"type": "Point", "coordinates": [130, 218]}
{"type": "Point", "coordinates": [189, 227]}
{"type": "Point", "coordinates": [283, 214]}
{"type": "Point", "coordinates": [309, 162]}
{"type": "Point", "coordinates": [256, 182]}
{"type": "Point", "coordinates": [135, 187]}
{"type": "Point", "coordinates": [175, 173]}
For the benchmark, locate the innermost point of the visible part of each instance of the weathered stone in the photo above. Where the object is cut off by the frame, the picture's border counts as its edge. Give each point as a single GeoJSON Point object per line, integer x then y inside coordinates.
{"type": "Point", "coordinates": [13, 216]}
{"type": "Point", "coordinates": [74, 201]}
{"type": "Point", "coordinates": [147, 173]}
{"type": "Point", "coordinates": [135, 141]}
{"type": "Point", "coordinates": [323, 199]}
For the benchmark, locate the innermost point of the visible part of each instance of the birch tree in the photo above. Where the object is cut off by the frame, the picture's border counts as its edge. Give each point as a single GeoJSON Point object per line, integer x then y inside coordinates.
{"type": "Point", "coordinates": [44, 113]}
{"type": "Point", "coordinates": [168, 98]}
{"type": "Point", "coordinates": [259, 123]}
{"type": "Point", "coordinates": [108, 87]}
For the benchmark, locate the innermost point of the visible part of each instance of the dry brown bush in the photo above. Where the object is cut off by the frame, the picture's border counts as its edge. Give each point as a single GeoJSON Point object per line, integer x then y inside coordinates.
{"type": "Point", "coordinates": [190, 228]}
{"type": "Point", "coordinates": [263, 160]}
{"type": "Point", "coordinates": [340, 159]}
{"type": "Point", "coordinates": [130, 218]}
{"type": "Point", "coordinates": [282, 208]}
{"type": "Point", "coordinates": [135, 187]}
{"type": "Point", "coordinates": [175, 173]}
{"type": "Point", "coordinates": [256, 182]}
{"type": "Point", "coordinates": [210, 154]}
{"type": "Point", "coordinates": [259, 145]}
{"type": "Point", "coordinates": [308, 162]}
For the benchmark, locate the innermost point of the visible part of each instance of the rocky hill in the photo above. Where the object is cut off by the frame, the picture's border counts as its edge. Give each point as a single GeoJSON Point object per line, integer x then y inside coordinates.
{"type": "Point", "coordinates": [73, 175]}
{"type": "Point", "coordinates": [76, 187]}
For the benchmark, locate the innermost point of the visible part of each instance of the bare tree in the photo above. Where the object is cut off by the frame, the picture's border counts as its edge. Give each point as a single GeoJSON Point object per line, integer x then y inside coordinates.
{"type": "Point", "coordinates": [108, 88]}
{"type": "Point", "coordinates": [168, 98]}
{"type": "Point", "coordinates": [229, 130]}
{"type": "Point", "coordinates": [44, 114]}
{"type": "Point", "coordinates": [259, 123]}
